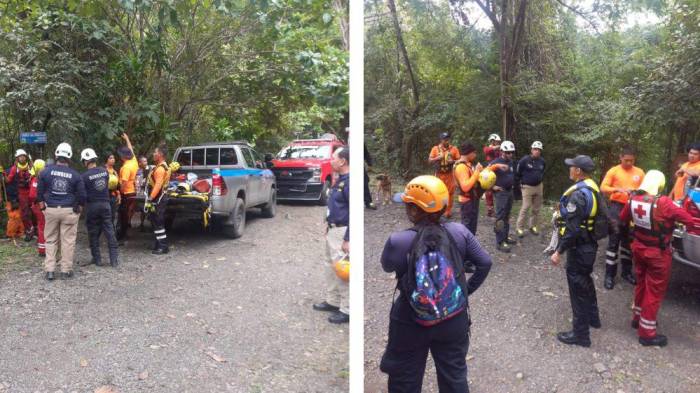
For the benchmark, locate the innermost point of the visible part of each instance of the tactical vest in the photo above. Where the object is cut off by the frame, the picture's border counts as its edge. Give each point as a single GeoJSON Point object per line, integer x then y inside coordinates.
{"type": "Point", "coordinates": [23, 176]}
{"type": "Point", "coordinates": [591, 204]}
{"type": "Point", "coordinates": [473, 194]}
{"type": "Point", "coordinates": [642, 209]}
{"type": "Point", "coordinates": [152, 180]}
{"type": "Point", "coordinates": [443, 165]}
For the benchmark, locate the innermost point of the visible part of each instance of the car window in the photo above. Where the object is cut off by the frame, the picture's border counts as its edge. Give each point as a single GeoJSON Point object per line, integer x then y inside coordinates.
{"type": "Point", "coordinates": [184, 157]}
{"type": "Point", "coordinates": [213, 156]}
{"type": "Point", "coordinates": [197, 157]}
{"type": "Point", "coordinates": [248, 157]}
{"type": "Point", "coordinates": [304, 151]}
{"type": "Point", "coordinates": [259, 160]}
{"type": "Point", "coordinates": [228, 156]}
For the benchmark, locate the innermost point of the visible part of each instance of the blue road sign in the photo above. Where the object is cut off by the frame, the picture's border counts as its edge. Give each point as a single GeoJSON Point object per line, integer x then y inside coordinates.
{"type": "Point", "coordinates": [32, 138]}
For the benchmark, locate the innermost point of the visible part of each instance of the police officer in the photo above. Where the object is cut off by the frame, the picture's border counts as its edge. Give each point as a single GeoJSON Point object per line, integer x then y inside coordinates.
{"type": "Point", "coordinates": [99, 211]}
{"type": "Point", "coordinates": [157, 202]}
{"type": "Point", "coordinates": [654, 216]}
{"type": "Point", "coordinates": [61, 195]}
{"type": "Point", "coordinates": [337, 239]}
{"type": "Point", "coordinates": [578, 207]}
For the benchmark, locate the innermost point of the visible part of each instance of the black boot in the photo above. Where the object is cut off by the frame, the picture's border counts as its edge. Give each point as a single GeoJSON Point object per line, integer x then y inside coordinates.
{"type": "Point", "coordinates": [595, 323]}
{"type": "Point", "coordinates": [66, 276]}
{"type": "Point", "coordinates": [657, 341]}
{"type": "Point", "coordinates": [629, 277]}
{"type": "Point", "coordinates": [50, 276]}
{"type": "Point", "coordinates": [339, 317]}
{"type": "Point", "coordinates": [570, 338]}
{"type": "Point", "coordinates": [324, 306]}
{"type": "Point", "coordinates": [610, 273]}
{"type": "Point", "coordinates": [160, 251]}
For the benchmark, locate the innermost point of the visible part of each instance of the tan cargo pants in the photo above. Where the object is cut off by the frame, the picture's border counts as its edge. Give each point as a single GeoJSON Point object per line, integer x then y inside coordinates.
{"type": "Point", "coordinates": [61, 225]}
{"type": "Point", "coordinates": [338, 290]}
{"type": "Point", "coordinates": [532, 200]}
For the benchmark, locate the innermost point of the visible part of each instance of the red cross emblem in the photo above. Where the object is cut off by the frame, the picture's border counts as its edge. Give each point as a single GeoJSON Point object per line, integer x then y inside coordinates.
{"type": "Point", "coordinates": [641, 213]}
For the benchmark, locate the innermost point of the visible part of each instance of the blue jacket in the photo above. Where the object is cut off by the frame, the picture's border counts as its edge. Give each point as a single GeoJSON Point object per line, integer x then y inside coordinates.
{"type": "Point", "coordinates": [60, 185]}
{"type": "Point", "coordinates": [530, 170]}
{"type": "Point", "coordinates": [96, 184]}
{"type": "Point", "coordinates": [504, 178]}
{"type": "Point", "coordinates": [339, 204]}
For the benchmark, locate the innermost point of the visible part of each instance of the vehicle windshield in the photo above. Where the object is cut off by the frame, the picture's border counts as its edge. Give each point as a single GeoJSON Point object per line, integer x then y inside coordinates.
{"type": "Point", "coordinates": [304, 151]}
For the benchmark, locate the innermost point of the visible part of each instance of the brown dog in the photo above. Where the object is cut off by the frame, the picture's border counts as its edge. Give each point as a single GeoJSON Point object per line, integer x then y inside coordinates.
{"type": "Point", "coordinates": [383, 189]}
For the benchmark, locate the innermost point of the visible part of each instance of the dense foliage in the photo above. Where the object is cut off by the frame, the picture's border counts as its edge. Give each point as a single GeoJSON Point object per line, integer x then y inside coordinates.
{"type": "Point", "coordinates": [181, 71]}
{"type": "Point", "coordinates": [580, 80]}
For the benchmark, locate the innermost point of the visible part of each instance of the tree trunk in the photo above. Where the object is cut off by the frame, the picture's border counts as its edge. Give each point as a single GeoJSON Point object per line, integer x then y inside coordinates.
{"type": "Point", "coordinates": [407, 62]}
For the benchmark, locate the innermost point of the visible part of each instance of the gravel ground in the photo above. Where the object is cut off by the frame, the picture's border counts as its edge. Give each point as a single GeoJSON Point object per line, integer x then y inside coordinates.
{"type": "Point", "coordinates": [215, 315]}
{"type": "Point", "coordinates": [520, 307]}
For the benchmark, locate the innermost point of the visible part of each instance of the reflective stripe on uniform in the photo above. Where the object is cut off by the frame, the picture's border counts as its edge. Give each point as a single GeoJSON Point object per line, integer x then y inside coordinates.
{"type": "Point", "coordinates": [161, 237]}
{"type": "Point", "coordinates": [159, 231]}
{"type": "Point", "coordinates": [610, 262]}
{"type": "Point", "coordinates": [648, 322]}
{"type": "Point", "coordinates": [647, 327]}
{"type": "Point", "coordinates": [611, 254]}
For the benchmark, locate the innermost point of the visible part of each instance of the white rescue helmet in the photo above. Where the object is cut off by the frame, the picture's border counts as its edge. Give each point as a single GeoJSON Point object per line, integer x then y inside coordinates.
{"type": "Point", "coordinates": [64, 150]}
{"type": "Point", "coordinates": [507, 146]}
{"type": "Point", "coordinates": [494, 137]}
{"type": "Point", "coordinates": [21, 152]}
{"type": "Point", "coordinates": [88, 154]}
{"type": "Point", "coordinates": [536, 145]}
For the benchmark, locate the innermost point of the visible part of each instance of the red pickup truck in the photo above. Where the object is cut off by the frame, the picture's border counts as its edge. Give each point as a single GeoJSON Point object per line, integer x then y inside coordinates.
{"type": "Point", "coordinates": [303, 169]}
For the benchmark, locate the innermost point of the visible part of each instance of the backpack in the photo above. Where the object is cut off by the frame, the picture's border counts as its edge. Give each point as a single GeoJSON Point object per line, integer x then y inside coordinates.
{"type": "Point", "coordinates": [602, 220]}
{"type": "Point", "coordinates": [435, 284]}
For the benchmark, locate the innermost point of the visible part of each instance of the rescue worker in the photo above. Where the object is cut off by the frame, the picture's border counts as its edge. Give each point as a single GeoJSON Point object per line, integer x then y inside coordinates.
{"type": "Point", "coordinates": [98, 216]}
{"type": "Point", "coordinates": [408, 344]}
{"type": "Point", "coordinates": [141, 180]}
{"type": "Point", "coordinates": [337, 239]}
{"type": "Point", "coordinates": [617, 184]}
{"type": "Point", "coordinates": [443, 156]}
{"type": "Point", "coordinates": [503, 196]}
{"type": "Point", "coordinates": [61, 195]}
{"type": "Point", "coordinates": [530, 173]}
{"type": "Point", "coordinates": [491, 152]}
{"type": "Point", "coordinates": [691, 168]}
{"type": "Point", "coordinates": [20, 176]}
{"type": "Point", "coordinates": [15, 227]}
{"type": "Point", "coordinates": [578, 207]}
{"type": "Point", "coordinates": [467, 172]}
{"type": "Point", "coordinates": [114, 194]}
{"type": "Point", "coordinates": [157, 201]}
{"type": "Point", "coordinates": [127, 187]}
{"type": "Point", "coordinates": [36, 210]}
{"type": "Point", "coordinates": [369, 204]}
{"type": "Point", "coordinates": [654, 217]}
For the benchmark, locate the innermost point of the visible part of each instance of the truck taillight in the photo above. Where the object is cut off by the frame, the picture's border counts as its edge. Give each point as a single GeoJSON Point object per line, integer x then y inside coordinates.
{"type": "Point", "coordinates": [218, 185]}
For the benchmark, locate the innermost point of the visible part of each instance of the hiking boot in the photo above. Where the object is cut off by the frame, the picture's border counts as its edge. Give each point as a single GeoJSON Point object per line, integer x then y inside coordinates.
{"type": "Point", "coordinates": [325, 307]}
{"type": "Point", "coordinates": [510, 240]}
{"type": "Point", "coordinates": [595, 324]}
{"type": "Point", "coordinates": [535, 231]}
{"type": "Point", "coordinates": [657, 341]}
{"type": "Point", "coordinates": [66, 276]}
{"type": "Point", "coordinates": [629, 277]}
{"type": "Point", "coordinates": [609, 282]}
{"type": "Point", "coordinates": [520, 233]}
{"type": "Point", "coordinates": [160, 251]}
{"type": "Point", "coordinates": [50, 276]}
{"type": "Point", "coordinates": [503, 247]}
{"type": "Point", "coordinates": [570, 338]}
{"type": "Point", "coordinates": [339, 317]}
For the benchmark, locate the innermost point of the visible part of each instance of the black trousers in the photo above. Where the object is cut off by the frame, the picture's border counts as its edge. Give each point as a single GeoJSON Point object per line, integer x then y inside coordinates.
{"type": "Point", "coordinates": [368, 193]}
{"type": "Point", "coordinates": [407, 352]}
{"type": "Point", "coordinates": [157, 218]}
{"type": "Point", "coordinates": [504, 204]}
{"type": "Point", "coordinates": [584, 304]}
{"type": "Point", "coordinates": [619, 238]}
{"type": "Point", "coordinates": [98, 219]}
{"type": "Point", "coordinates": [470, 215]}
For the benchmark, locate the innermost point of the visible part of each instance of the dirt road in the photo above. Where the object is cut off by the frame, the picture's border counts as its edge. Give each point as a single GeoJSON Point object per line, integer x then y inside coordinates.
{"type": "Point", "coordinates": [215, 315]}
{"type": "Point", "coordinates": [519, 309]}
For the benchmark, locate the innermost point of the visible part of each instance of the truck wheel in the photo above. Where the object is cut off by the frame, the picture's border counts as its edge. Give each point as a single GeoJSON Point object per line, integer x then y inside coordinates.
{"type": "Point", "coordinates": [234, 230]}
{"type": "Point", "coordinates": [325, 193]}
{"type": "Point", "coordinates": [270, 208]}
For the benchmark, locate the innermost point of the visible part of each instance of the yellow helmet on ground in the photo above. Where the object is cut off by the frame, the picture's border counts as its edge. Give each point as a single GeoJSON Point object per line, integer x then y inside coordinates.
{"type": "Point", "coordinates": [38, 166]}
{"type": "Point", "coordinates": [342, 268]}
{"type": "Point", "coordinates": [427, 192]}
{"type": "Point", "coordinates": [487, 179]}
{"type": "Point", "coordinates": [113, 182]}
{"type": "Point", "coordinates": [174, 166]}
{"type": "Point", "coordinates": [653, 183]}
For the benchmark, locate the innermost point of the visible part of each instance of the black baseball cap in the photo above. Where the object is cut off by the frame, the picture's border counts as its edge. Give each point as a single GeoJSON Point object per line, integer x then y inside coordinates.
{"type": "Point", "coordinates": [444, 135]}
{"type": "Point", "coordinates": [581, 161]}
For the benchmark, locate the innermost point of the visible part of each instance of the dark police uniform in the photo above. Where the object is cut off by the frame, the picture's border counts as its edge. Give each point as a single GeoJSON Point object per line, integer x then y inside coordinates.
{"type": "Point", "coordinates": [503, 199]}
{"type": "Point", "coordinates": [160, 203]}
{"type": "Point", "coordinates": [407, 349]}
{"type": "Point", "coordinates": [99, 213]}
{"type": "Point", "coordinates": [577, 207]}
{"type": "Point", "coordinates": [62, 189]}
{"type": "Point", "coordinates": [338, 219]}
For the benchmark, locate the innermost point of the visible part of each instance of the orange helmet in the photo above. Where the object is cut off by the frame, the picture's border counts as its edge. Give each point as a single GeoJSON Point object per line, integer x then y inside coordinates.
{"type": "Point", "coordinates": [427, 192]}
{"type": "Point", "coordinates": [342, 268]}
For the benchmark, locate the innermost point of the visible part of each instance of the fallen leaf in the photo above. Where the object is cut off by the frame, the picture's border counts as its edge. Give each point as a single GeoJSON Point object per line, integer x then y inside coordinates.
{"type": "Point", "coordinates": [143, 375]}
{"type": "Point", "coordinates": [83, 362]}
{"type": "Point", "coordinates": [215, 357]}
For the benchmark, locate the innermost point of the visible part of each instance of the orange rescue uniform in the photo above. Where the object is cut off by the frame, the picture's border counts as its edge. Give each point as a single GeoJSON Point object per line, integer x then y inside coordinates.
{"type": "Point", "coordinates": [617, 177]}
{"type": "Point", "coordinates": [678, 188]}
{"type": "Point", "coordinates": [444, 170]}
